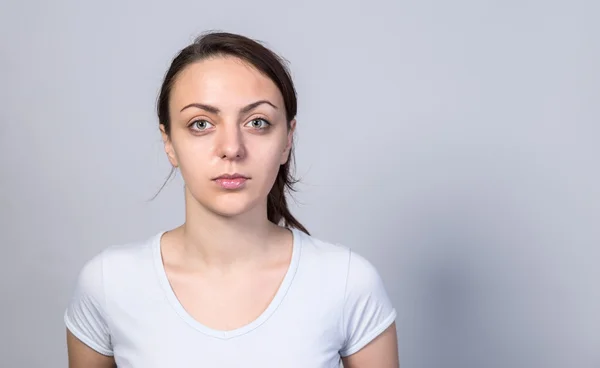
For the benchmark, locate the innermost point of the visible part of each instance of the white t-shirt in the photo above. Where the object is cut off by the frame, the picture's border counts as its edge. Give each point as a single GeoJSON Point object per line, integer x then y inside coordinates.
{"type": "Point", "coordinates": [331, 303]}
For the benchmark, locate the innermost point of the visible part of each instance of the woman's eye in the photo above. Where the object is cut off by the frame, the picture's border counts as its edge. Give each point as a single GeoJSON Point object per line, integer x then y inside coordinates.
{"type": "Point", "coordinates": [200, 125]}
{"type": "Point", "coordinates": [259, 123]}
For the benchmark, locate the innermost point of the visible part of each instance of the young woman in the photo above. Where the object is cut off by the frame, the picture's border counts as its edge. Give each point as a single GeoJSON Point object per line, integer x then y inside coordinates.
{"type": "Point", "coordinates": [240, 283]}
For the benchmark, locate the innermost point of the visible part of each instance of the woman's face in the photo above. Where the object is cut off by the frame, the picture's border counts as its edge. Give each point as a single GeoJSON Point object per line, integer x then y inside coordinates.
{"type": "Point", "coordinates": [228, 135]}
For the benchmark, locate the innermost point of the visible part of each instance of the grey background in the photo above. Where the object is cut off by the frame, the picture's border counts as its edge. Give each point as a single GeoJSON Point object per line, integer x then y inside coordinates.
{"type": "Point", "coordinates": [455, 144]}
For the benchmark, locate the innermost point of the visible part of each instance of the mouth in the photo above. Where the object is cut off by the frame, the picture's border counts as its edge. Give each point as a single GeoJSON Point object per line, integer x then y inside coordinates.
{"type": "Point", "coordinates": [231, 181]}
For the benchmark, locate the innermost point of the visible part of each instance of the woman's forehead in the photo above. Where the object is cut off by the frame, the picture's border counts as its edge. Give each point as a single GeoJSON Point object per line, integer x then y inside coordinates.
{"type": "Point", "coordinates": [223, 81]}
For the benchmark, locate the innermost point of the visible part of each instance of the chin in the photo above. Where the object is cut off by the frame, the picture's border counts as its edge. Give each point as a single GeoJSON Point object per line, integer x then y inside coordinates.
{"type": "Point", "coordinates": [231, 204]}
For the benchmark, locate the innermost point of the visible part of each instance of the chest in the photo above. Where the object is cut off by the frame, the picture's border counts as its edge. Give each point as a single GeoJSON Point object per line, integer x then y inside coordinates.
{"type": "Point", "coordinates": [284, 340]}
{"type": "Point", "coordinates": [301, 329]}
{"type": "Point", "coordinates": [226, 302]}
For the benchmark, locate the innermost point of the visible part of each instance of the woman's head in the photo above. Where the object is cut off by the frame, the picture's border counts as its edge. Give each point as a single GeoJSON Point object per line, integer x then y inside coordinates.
{"type": "Point", "coordinates": [227, 106]}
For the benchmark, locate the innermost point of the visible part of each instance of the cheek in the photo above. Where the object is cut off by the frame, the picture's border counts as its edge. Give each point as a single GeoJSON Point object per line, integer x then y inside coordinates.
{"type": "Point", "coordinates": [193, 158]}
{"type": "Point", "coordinates": [197, 162]}
{"type": "Point", "coordinates": [266, 161]}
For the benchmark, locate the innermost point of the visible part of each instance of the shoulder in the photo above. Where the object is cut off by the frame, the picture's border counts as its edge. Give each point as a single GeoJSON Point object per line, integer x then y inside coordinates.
{"type": "Point", "coordinates": [357, 270]}
{"type": "Point", "coordinates": [363, 276]}
{"type": "Point", "coordinates": [113, 260]}
{"type": "Point", "coordinates": [131, 254]}
{"type": "Point", "coordinates": [87, 314]}
{"type": "Point", "coordinates": [323, 261]}
{"type": "Point", "coordinates": [366, 309]}
{"type": "Point", "coordinates": [338, 267]}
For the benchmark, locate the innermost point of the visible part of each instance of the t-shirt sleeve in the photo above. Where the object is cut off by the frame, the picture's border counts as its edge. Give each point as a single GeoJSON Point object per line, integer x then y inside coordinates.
{"type": "Point", "coordinates": [85, 315]}
{"type": "Point", "coordinates": [368, 310]}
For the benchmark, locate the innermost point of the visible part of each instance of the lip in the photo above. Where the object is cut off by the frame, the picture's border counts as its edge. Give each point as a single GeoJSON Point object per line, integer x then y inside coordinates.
{"type": "Point", "coordinates": [231, 176]}
{"type": "Point", "coordinates": [231, 181]}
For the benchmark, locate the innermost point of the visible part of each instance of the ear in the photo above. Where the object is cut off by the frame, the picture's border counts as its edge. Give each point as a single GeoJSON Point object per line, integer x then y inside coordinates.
{"type": "Point", "coordinates": [290, 140]}
{"type": "Point", "coordinates": [168, 146]}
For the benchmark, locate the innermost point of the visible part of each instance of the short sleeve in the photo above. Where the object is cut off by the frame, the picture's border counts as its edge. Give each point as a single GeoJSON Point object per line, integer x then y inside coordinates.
{"type": "Point", "coordinates": [368, 310]}
{"type": "Point", "coordinates": [85, 315]}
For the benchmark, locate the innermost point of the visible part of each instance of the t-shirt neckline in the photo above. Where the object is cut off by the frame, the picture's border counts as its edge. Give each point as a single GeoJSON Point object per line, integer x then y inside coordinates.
{"type": "Point", "coordinates": [227, 334]}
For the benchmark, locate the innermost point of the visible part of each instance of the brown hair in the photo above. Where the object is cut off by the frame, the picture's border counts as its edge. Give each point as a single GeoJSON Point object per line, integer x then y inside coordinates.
{"type": "Point", "coordinates": [271, 65]}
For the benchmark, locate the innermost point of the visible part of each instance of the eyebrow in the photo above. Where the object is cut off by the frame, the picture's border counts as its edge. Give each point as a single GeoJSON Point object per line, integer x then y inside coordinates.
{"type": "Point", "coordinates": [215, 110]}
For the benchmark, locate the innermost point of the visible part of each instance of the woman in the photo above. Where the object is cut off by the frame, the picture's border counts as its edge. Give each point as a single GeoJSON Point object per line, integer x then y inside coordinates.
{"type": "Point", "coordinates": [241, 283]}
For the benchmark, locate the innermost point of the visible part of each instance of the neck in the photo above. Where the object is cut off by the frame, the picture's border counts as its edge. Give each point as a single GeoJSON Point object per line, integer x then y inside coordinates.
{"type": "Point", "coordinates": [219, 241]}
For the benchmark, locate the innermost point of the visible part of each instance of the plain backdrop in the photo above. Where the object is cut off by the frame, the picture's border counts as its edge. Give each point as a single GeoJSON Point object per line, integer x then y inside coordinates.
{"type": "Point", "coordinates": [455, 144]}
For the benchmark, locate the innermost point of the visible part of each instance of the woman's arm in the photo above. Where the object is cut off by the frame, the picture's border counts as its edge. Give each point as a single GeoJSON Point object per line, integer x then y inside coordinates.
{"type": "Point", "coordinates": [82, 356]}
{"type": "Point", "coordinates": [382, 352]}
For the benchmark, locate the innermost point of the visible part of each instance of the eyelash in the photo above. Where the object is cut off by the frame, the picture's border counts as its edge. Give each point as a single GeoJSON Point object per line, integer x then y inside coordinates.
{"type": "Point", "coordinates": [268, 123]}
{"type": "Point", "coordinates": [194, 122]}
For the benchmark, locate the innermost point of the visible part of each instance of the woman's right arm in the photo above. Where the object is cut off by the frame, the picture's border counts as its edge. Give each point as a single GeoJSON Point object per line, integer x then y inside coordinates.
{"type": "Point", "coordinates": [82, 356]}
{"type": "Point", "coordinates": [89, 341]}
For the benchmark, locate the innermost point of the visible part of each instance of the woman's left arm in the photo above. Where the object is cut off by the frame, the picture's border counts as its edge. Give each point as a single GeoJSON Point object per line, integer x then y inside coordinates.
{"type": "Point", "coordinates": [382, 352]}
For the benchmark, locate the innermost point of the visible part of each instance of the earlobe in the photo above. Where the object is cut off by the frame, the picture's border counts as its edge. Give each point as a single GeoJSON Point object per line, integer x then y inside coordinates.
{"type": "Point", "coordinates": [285, 156]}
{"type": "Point", "coordinates": [172, 158]}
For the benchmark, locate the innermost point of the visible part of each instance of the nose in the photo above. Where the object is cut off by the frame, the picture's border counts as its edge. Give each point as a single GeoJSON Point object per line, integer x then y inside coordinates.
{"type": "Point", "coordinates": [230, 144]}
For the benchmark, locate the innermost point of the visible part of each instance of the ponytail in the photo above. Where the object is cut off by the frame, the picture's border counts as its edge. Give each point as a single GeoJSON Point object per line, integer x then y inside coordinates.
{"type": "Point", "coordinates": [277, 206]}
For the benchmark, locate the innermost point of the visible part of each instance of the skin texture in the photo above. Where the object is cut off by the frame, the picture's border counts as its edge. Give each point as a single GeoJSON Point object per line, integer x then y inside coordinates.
{"type": "Point", "coordinates": [80, 355]}
{"type": "Point", "coordinates": [228, 141]}
{"type": "Point", "coordinates": [226, 262]}
{"type": "Point", "coordinates": [382, 352]}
